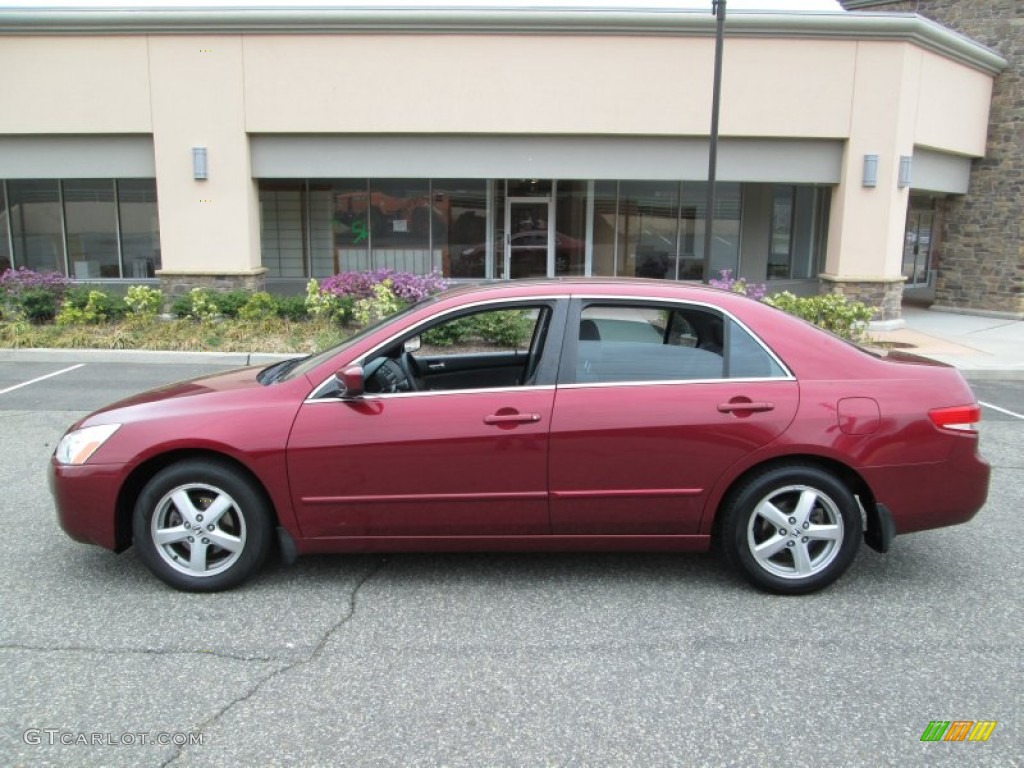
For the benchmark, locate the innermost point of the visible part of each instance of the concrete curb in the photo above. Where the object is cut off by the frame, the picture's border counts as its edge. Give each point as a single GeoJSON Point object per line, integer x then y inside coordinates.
{"type": "Point", "coordinates": [140, 356]}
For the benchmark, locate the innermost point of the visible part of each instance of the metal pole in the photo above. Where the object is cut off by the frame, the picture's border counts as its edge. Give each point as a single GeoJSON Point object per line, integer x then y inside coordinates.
{"type": "Point", "coordinates": [717, 8]}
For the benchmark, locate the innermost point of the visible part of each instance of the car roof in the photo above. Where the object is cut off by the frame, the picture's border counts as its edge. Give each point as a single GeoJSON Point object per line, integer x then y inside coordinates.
{"type": "Point", "coordinates": [624, 286]}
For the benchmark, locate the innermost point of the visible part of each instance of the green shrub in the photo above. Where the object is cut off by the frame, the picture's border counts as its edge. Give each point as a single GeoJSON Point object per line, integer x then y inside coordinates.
{"type": "Point", "coordinates": [381, 303]}
{"type": "Point", "coordinates": [84, 306]}
{"type": "Point", "coordinates": [260, 306]}
{"type": "Point", "coordinates": [143, 301]}
{"type": "Point", "coordinates": [505, 329]}
{"type": "Point", "coordinates": [449, 334]}
{"type": "Point", "coordinates": [37, 304]}
{"type": "Point", "coordinates": [834, 312]}
{"type": "Point", "coordinates": [230, 303]}
{"type": "Point", "coordinates": [197, 304]}
{"type": "Point", "coordinates": [290, 307]}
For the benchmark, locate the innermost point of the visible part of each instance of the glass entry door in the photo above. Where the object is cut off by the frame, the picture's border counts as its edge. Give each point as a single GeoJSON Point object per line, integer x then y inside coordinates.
{"type": "Point", "coordinates": [529, 237]}
{"type": "Point", "coordinates": [917, 247]}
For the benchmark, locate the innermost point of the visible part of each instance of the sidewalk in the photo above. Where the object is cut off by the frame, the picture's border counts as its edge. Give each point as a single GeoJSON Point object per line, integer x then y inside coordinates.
{"type": "Point", "coordinates": [981, 347]}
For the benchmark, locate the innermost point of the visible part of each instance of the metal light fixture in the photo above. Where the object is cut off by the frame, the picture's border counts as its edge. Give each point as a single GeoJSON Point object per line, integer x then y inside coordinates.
{"type": "Point", "coordinates": [199, 172]}
{"type": "Point", "coordinates": [870, 178]}
{"type": "Point", "coordinates": [906, 163]}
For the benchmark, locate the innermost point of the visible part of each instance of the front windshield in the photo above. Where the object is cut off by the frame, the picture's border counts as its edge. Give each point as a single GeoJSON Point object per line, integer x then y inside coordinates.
{"type": "Point", "coordinates": [311, 362]}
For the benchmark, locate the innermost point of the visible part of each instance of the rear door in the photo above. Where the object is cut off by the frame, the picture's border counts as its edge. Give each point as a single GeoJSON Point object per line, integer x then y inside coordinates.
{"type": "Point", "coordinates": [655, 400]}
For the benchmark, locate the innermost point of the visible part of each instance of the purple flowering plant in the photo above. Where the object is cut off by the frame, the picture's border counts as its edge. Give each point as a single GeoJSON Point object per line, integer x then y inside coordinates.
{"type": "Point", "coordinates": [726, 282]}
{"type": "Point", "coordinates": [406, 286]}
{"type": "Point", "coordinates": [14, 282]}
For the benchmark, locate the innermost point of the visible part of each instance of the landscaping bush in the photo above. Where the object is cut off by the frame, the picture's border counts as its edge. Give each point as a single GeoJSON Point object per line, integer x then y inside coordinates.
{"type": "Point", "coordinates": [143, 301]}
{"type": "Point", "coordinates": [832, 311]}
{"type": "Point", "coordinates": [38, 305]}
{"type": "Point", "coordinates": [84, 305]}
{"type": "Point", "coordinates": [229, 303]}
{"type": "Point", "coordinates": [30, 294]}
{"type": "Point", "coordinates": [406, 286]}
{"type": "Point", "coordinates": [291, 308]}
{"type": "Point", "coordinates": [379, 304]}
{"type": "Point", "coordinates": [260, 306]}
{"type": "Point", "coordinates": [740, 285]}
{"type": "Point", "coordinates": [198, 304]}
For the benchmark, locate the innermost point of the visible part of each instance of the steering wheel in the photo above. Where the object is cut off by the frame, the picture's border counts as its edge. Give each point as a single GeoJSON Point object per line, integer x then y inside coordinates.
{"type": "Point", "coordinates": [411, 369]}
{"type": "Point", "coordinates": [385, 375]}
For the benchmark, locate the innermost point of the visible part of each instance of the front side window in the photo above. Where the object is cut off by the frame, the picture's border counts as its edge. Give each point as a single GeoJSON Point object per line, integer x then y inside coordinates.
{"type": "Point", "coordinates": [635, 342]}
{"type": "Point", "coordinates": [496, 347]}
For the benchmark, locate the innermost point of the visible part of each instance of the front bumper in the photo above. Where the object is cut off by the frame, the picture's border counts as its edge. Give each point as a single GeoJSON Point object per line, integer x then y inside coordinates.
{"type": "Point", "coordinates": [86, 500]}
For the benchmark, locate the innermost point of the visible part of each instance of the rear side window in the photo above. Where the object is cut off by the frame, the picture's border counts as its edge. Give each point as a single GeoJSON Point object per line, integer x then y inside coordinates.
{"type": "Point", "coordinates": [629, 343]}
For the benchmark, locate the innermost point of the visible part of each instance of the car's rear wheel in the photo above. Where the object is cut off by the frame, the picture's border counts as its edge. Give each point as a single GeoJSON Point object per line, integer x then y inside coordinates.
{"type": "Point", "coordinates": [791, 529]}
{"type": "Point", "coordinates": [202, 526]}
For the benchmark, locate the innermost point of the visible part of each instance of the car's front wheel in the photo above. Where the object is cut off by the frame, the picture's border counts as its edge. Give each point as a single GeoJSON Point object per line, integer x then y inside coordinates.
{"type": "Point", "coordinates": [791, 529]}
{"type": "Point", "coordinates": [202, 526]}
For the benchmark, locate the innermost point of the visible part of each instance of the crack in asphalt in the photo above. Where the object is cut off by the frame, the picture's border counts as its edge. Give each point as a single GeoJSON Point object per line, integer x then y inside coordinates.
{"type": "Point", "coordinates": [309, 659]}
{"type": "Point", "coordinates": [135, 651]}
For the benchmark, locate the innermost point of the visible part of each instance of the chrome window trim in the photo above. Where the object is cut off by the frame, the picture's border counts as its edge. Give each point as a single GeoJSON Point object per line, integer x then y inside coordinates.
{"type": "Point", "coordinates": [314, 395]}
{"type": "Point", "coordinates": [374, 396]}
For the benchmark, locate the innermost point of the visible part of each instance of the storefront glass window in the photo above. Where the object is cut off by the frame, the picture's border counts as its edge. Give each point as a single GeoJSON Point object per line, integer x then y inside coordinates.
{"type": "Point", "coordinates": [401, 220]}
{"type": "Point", "coordinates": [571, 229]}
{"type": "Point", "coordinates": [140, 227]}
{"type": "Point", "coordinates": [36, 224]}
{"type": "Point", "coordinates": [648, 212]}
{"type": "Point", "coordinates": [91, 224]}
{"type": "Point", "coordinates": [5, 231]}
{"type": "Point", "coordinates": [460, 232]}
{"type": "Point", "coordinates": [281, 228]}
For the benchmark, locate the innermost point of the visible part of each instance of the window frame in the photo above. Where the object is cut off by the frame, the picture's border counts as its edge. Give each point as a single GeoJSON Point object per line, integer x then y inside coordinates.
{"type": "Point", "coordinates": [570, 341]}
{"type": "Point", "coordinates": [547, 368]}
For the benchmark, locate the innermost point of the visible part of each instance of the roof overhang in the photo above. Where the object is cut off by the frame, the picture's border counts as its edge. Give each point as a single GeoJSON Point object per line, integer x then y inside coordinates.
{"type": "Point", "coordinates": [398, 19]}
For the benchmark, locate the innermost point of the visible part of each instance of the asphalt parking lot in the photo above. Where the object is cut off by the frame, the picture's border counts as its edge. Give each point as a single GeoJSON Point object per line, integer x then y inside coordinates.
{"type": "Point", "coordinates": [471, 660]}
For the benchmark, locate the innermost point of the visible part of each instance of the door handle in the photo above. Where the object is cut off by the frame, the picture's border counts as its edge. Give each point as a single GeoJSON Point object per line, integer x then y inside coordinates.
{"type": "Point", "coordinates": [512, 418]}
{"type": "Point", "coordinates": [747, 406]}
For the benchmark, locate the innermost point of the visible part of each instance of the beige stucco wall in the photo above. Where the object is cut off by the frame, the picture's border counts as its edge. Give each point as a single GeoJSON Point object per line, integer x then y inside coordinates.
{"type": "Point", "coordinates": [198, 101]}
{"type": "Point", "coordinates": [74, 85]}
{"type": "Point", "coordinates": [881, 97]}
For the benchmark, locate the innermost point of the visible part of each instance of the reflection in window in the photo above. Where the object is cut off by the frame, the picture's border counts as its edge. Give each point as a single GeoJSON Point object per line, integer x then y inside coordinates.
{"type": "Point", "coordinates": [281, 228]}
{"type": "Point", "coordinates": [571, 232]}
{"type": "Point", "coordinates": [781, 241]}
{"type": "Point", "coordinates": [5, 231]}
{"type": "Point", "coordinates": [140, 227]}
{"type": "Point", "coordinates": [36, 224]}
{"type": "Point", "coordinates": [461, 229]}
{"type": "Point", "coordinates": [401, 221]}
{"type": "Point", "coordinates": [666, 343]}
{"type": "Point", "coordinates": [725, 240]}
{"type": "Point", "coordinates": [91, 223]}
{"type": "Point", "coordinates": [648, 214]}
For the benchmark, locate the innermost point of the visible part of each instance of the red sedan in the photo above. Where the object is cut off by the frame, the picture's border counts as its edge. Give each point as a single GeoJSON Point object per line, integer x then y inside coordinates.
{"type": "Point", "coordinates": [574, 415]}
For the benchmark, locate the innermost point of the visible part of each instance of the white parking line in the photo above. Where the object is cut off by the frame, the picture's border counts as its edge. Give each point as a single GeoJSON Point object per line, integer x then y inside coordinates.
{"type": "Point", "coordinates": [987, 405]}
{"type": "Point", "coordinates": [40, 378]}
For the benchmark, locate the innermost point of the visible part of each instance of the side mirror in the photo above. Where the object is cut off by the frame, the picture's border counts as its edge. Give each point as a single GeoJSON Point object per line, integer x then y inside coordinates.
{"type": "Point", "coordinates": [350, 382]}
{"type": "Point", "coordinates": [412, 345]}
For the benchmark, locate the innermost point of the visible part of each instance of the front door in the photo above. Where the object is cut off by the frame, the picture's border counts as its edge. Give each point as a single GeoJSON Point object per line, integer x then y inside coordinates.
{"type": "Point", "coordinates": [529, 237]}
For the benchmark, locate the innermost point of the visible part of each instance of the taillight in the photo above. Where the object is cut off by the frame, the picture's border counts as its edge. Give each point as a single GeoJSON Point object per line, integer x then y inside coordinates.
{"type": "Point", "coordinates": [961, 417]}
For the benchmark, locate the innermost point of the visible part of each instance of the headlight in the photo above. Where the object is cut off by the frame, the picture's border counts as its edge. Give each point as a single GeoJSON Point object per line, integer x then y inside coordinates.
{"type": "Point", "coordinates": [76, 447]}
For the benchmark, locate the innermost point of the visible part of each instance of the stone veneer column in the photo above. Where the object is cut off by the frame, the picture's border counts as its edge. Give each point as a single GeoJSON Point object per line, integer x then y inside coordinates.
{"type": "Point", "coordinates": [886, 296]}
{"type": "Point", "coordinates": [981, 260]}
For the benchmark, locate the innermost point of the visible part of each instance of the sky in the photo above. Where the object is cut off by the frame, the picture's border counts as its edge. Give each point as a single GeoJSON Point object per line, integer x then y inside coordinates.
{"type": "Point", "coordinates": [697, 5]}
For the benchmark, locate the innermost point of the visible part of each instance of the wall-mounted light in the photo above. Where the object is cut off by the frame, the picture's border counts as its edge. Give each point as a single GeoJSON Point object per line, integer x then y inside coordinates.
{"type": "Point", "coordinates": [906, 163]}
{"type": "Point", "coordinates": [870, 178]}
{"type": "Point", "coordinates": [199, 172]}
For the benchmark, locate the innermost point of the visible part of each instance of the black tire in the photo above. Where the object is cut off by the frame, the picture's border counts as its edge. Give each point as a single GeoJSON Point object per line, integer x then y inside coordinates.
{"type": "Point", "coordinates": [232, 515]}
{"type": "Point", "coordinates": [791, 529]}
